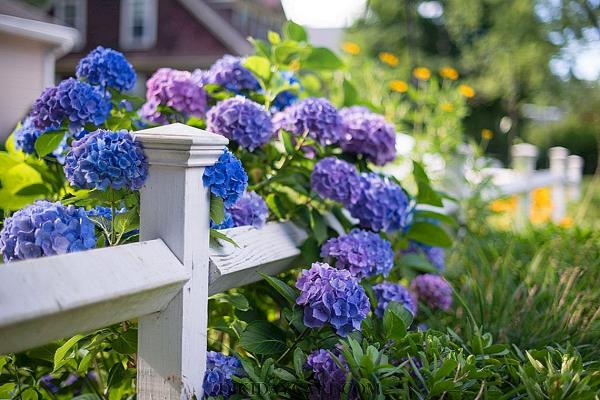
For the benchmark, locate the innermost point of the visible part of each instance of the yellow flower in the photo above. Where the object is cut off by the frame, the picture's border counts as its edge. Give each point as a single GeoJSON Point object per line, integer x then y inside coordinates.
{"type": "Point", "coordinates": [466, 90]}
{"type": "Point", "coordinates": [422, 73]}
{"type": "Point", "coordinates": [351, 48]}
{"type": "Point", "coordinates": [504, 205]}
{"type": "Point", "coordinates": [487, 134]}
{"type": "Point", "coordinates": [448, 107]}
{"type": "Point", "coordinates": [566, 222]}
{"type": "Point", "coordinates": [294, 65]}
{"type": "Point", "coordinates": [398, 86]}
{"type": "Point", "coordinates": [449, 73]}
{"type": "Point", "coordinates": [389, 58]}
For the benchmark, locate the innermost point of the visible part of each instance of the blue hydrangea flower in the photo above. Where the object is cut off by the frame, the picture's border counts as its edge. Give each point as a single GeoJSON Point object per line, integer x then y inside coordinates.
{"type": "Point", "coordinates": [220, 370]}
{"type": "Point", "coordinates": [435, 255]}
{"type": "Point", "coordinates": [386, 292]}
{"type": "Point", "coordinates": [317, 116]}
{"type": "Point", "coordinates": [225, 224]}
{"type": "Point", "coordinates": [242, 120]}
{"type": "Point", "coordinates": [382, 205]}
{"type": "Point", "coordinates": [368, 134]}
{"type": "Point", "coordinates": [336, 180]}
{"type": "Point", "coordinates": [287, 97]}
{"type": "Point", "coordinates": [432, 290]}
{"type": "Point", "coordinates": [250, 209]}
{"type": "Point", "coordinates": [46, 229]}
{"type": "Point", "coordinates": [105, 158]}
{"type": "Point", "coordinates": [72, 101]}
{"type": "Point", "coordinates": [330, 377]}
{"type": "Point", "coordinates": [361, 252]}
{"type": "Point", "coordinates": [229, 72]}
{"type": "Point", "coordinates": [26, 136]}
{"type": "Point", "coordinates": [104, 212]}
{"type": "Point", "coordinates": [333, 296]}
{"type": "Point", "coordinates": [226, 179]}
{"type": "Point", "coordinates": [106, 68]}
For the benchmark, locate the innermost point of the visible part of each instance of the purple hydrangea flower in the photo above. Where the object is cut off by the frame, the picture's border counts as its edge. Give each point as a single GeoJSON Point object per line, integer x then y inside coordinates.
{"type": "Point", "coordinates": [176, 89]}
{"type": "Point", "coordinates": [287, 97]}
{"type": "Point", "coordinates": [369, 134]}
{"type": "Point", "coordinates": [73, 101]}
{"type": "Point", "coordinates": [433, 290]}
{"type": "Point", "coordinates": [46, 229]}
{"type": "Point", "coordinates": [225, 224]}
{"type": "Point", "coordinates": [332, 296]}
{"type": "Point", "coordinates": [242, 120]}
{"type": "Point", "coordinates": [26, 136]}
{"type": "Point", "coordinates": [250, 209]}
{"type": "Point", "coordinates": [226, 178]}
{"type": "Point", "coordinates": [105, 158]}
{"type": "Point", "coordinates": [386, 292]}
{"type": "Point", "coordinates": [107, 68]}
{"type": "Point", "coordinates": [317, 116]}
{"type": "Point", "coordinates": [229, 72]}
{"type": "Point", "coordinates": [361, 252]}
{"type": "Point", "coordinates": [336, 180]}
{"type": "Point", "coordinates": [330, 377]}
{"type": "Point", "coordinates": [382, 205]}
{"type": "Point", "coordinates": [435, 255]}
{"type": "Point", "coordinates": [220, 370]}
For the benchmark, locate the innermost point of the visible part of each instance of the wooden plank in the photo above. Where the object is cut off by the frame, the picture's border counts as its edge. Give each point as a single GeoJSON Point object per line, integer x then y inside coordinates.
{"type": "Point", "coordinates": [49, 298]}
{"type": "Point", "coordinates": [271, 250]}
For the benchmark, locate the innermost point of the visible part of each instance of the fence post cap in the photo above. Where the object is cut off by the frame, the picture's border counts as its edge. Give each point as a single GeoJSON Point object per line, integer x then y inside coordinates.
{"type": "Point", "coordinates": [524, 150]}
{"type": "Point", "coordinates": [558, 152]}
{"type": "Point", "coordinates": [575, 161]}
{"type": "Point", "coordinates": [181, 145]}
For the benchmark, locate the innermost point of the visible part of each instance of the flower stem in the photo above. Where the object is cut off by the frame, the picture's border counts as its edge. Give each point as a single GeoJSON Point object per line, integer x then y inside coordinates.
{"type": "Point", "coordinates": [293, 346]}
{"type": "Point", "coordinates": [112, 219]}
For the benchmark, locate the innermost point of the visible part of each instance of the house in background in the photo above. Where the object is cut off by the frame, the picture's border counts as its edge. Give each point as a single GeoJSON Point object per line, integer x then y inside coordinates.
{"type": "Point", "coordinates": [30, 43]}
{"type": "Point", "coordinates": [182, 34]}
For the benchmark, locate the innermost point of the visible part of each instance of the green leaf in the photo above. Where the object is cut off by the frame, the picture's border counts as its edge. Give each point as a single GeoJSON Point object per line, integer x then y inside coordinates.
{"type": "Point", "coordinates": [217, 209]}
{"type": "Point", "coordinates": [116, 375]}
{"type": "Point", "coordinates": [284, 375]}
{"type": "Point", "coordinates": [237, 300]}
{"type": "Point", "coordinates": [260, 47]}
{"type": "Point", "coordinates": [37, 189]}
{"type": "Point", "coordinates": [281, 287]}
{"type": "Point", "coordinates": [321, 58]}
{"type": "Point", "coordinates": [46, 143]}
{"type": "Point", "coordinates": [87, 396]}
{"type": "Point", "coordinates": [350, 93]}
{"type": "Point", "coordinates": [446, 369]}
{"type": "Point", "coordinates": [429, 234]}
{"type": "Point", "coordinates": [277, 205]}
{"type": "Point", "coordinates": [396, 320]}
{"type": "Point", "coordinates": [6, 390]}
{"type": "Point", "coordinates": [310, 250]}
{"type": "Point", "coordinates": [286, 138]}
{"type": "Point", "coordinates": [264, 338]}
{"type": "Point", "coordinates": [417, 262]}
{"type": "Point", "coordinates": [62, 351]}
{"type": "Point", "coordinates": [299, 359]}
{"type": "Point", "coordinates": [29, 394]}
{"type": "Point", "coordinates": [273, 37]}
{"type": "Point", "coordinates": [426, 194]}
{"type": "Point", "coordinates": [126, 343]}
{"type": "Point", "coordinates": [215, 235]}
{"type": "Point", "coordinates": [318, 226]}
{"type": "Point", "coordinates": [293, 31]}
{"type": "Point", "coordinates": [260, 66]}
{"type": "Point", "coordinates": [425, 215]}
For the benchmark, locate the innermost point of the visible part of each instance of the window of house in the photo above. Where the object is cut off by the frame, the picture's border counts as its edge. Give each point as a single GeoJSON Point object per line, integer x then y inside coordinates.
{"type": "Point", "coordinates": [73, 13]}
{"type": "Point", "coordinates": [138, 23]}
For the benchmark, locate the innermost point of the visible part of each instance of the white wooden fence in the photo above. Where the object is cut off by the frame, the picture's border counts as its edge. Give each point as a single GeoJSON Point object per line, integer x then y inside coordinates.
{"type": "Point", "coordinates": [164, 281]}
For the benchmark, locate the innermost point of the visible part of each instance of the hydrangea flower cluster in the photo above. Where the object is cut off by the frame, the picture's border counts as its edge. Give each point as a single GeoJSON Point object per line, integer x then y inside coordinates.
{"type": "Point", "coordinates": [332, 296]}
{"type": "Point", "coordinates": [220, 369]}
{"type": "Point", "coordinates": [336, 179]}
{"type": "Point", "coordinates": [26, 136]}
{"type": "Point", "coordinates": [382, 206]}
{"type": "Point", "coordinates": [317, 116]}
{"type": "Point", "coordinates": [176, 89]}
{"type": "Point", "coordinates": [287, 97]}
{"type": "Point", "coordinates": [105, 158]}
{"type": "Point", "coordinates": [330, 376]}
{"type": "Point", "coordinates": [226, 178]}
{"type": "Point", "coordinates": [369, 134]}
{"type": "Point", "coordinates": [104, 212]}
{"type": "Point", "coordinates": [74, 101]}
{"type": "Point", "coordinates": [106, 68]}
{"type": "Point", "coordinates": [45, 229]}
{"type": "Point", "coordinates": [225, 224]}
{"type": "Point", "coordinates": [386, 292]}
{"type": "Point", "coordinates": [433, 290]}
{"type": "Point", "coordinates": [361, 252]}
{"type": "Point", "coordinates": [250, 209]}
{"type": "Point", "coordinates": [242, 120]}
{"type": "Point", "coordinates": [435, 255]}
{"type": "Point", "coordinates": [229, 72]}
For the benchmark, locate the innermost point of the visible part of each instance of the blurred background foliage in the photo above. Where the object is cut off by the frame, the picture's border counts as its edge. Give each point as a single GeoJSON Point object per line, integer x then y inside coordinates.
{"type": "Point", "coordinates": [518, 55]}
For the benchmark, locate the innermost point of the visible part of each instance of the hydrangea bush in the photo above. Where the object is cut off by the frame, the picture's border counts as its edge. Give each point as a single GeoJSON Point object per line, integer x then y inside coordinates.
{"type": "Point", "coordinates": [294, 155]}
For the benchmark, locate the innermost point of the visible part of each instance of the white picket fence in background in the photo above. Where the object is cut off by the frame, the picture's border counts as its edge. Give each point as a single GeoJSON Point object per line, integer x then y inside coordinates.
{"type": "Point", "coordinates": [164, 280]}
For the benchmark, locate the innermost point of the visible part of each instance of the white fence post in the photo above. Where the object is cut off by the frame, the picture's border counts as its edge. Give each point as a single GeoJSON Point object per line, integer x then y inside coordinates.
{"type": "Point", "coordinates": [574, 175]}
{"type": "Point", "coordinates": [558, 168]}
{"type": "Point", "coordinates": [175, 207]}
{"type": "Point", "coordinates": [524, 156]}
